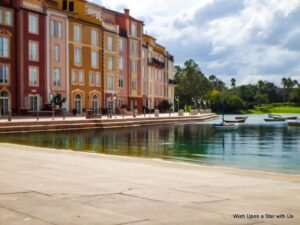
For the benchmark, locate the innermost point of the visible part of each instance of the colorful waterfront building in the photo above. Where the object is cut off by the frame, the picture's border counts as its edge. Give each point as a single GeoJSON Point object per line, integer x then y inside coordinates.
{"type": "Point", "coordinates": [169, 79]}
{"type": "Point", "coordinates": [8, 58]}
{"type": "Point", "coordinates": [84, 55]}
{"type": "Point", "coordinates": [31, 55]}
{"type": "Point", "coordinates": [57, 52]}
{"type": "Point", "coordinates": [156, 71]}
{"type": "Point", "coordinates": [110, 59]}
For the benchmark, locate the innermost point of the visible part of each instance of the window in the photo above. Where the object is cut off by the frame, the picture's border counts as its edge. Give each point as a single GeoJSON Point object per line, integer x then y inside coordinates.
{"type": "Point", "coordinates": [133, 83]}
{"type": "Point", "coordinates": [135, 47]}
{"type": "Point", "coordinates": [97, 78]}
{"type": "Point", "coordinates": [133, 66]}
{"type": "Point", "coordinates": [74, 80]}
{"type": "Point", "coordinates": [80, 77]}
{"type": "Point", "coordinates": [33, 101]}
{"type": "Point", "coordinates": [110, 63]}
{"type": "Point", "coordinates": [3, 47]}
{"type": "Point", "coordinates": [121, 102]}
{"type": "Point", "coordinates": [56, 77]}
{"type": "Point", "coordinates": [3, 74]}
{"type": "Point", "coordinates": [94, 37]}
{"type": "Point", "coordinates": [33, 50]}
{"type": "Point", "coordinates": [53, 24]}
{"type": "Point", "coordinates": [56, 53]}
{"type": "Point", "coordinates": [94, 59]}
{"type": "Point", "coordinates": [110, 82]}
{"type": "Point", "coordinates": [59, 29]}
{"type": "Point", "coordinates": [33, 24]}
{"type": "Point", "coordinates": [143, 72]}
{"type": "Point", "coordinates": [55, 29]}
{"type": "Point", "coordinates": [120, 62]}
{"type": "Point", "coordinates": [76, 33]}
{"type": "Point", "coordinates": [8, 18]}
{"type": "Point", "coordinates": [131, 46]}
{"type": "Point", "coordinates": [33, 76]}
{"type": "Point", "coordinates": [143, 54]}
{"type": "Point", "coordinates": [133, 30]}
{"type": "Point", "coordinates": [110, 43]}
{"type": "Point", "coordinates": [77, 56]}
{"type": "Point", "coordinates": [0, 16]}
{"type": "Point", "coordinates": [120, 44]}
{"type": "Point", "coordinates": [121, 82]}
{"type": "Point", "coordinates": [91, 78]}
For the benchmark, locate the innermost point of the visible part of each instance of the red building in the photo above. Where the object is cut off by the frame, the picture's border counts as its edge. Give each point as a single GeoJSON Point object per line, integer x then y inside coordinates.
{"type": "Point", "coordinates": [31, 57]}
{"type": "Point", "coordinates": [8, 60]}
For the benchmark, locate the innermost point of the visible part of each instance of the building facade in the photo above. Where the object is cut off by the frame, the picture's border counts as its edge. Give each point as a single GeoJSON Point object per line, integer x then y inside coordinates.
{"type": "Point", "coordinates": [31, 55]}
{"type": "Point", "coordinates": [93, 57]}
{"type": "Point", "coordinates": [8, 58]}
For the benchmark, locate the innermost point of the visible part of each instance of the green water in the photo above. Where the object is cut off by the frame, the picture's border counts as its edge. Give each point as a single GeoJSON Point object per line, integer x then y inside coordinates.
{"type": "Point", "coordinates": [256, 145]}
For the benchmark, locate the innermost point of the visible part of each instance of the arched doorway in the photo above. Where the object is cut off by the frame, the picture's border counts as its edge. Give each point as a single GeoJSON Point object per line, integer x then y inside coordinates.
{"type": "Point", "coordinates": [78, 104]}
{"type": "Point", "coordinates": [95, 104]}
{"type": "Point", "coordinates": [4, 103]}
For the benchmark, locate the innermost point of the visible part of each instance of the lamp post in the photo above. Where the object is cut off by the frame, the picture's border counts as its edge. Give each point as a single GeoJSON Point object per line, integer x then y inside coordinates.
{"type": "Point", "coordinates": [52, 102]}
{"type": "Point", "coordinates": [177, 100]}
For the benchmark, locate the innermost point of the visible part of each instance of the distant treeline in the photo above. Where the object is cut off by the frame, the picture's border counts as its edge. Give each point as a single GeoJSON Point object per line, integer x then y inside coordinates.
{"type": "Point", "coordinates": [195, 89]}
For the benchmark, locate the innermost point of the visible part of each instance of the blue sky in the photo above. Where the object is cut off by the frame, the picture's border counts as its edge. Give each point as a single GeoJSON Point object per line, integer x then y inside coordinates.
{"type": "Point", "coordinates": [245, 39]}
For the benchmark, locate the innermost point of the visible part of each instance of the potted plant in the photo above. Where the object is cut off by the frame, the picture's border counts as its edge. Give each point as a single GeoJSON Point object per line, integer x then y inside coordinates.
{"type": "Point", "coordinates": [59, 100]}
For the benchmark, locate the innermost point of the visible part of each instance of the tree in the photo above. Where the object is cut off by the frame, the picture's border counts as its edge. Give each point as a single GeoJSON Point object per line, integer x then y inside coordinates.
{"type": "Point", "coordinates": [234, 104]}
{"type": "Point", "coordinates": [233, 83]}
{"type": "Point", "coordinates": [295, 96]}
{"type": "Point", "coordinates": [191, 83]}
{"type": "Point", "coordinates": [215, 100]}
{"type": "Point", "coordinates": [261, 99]}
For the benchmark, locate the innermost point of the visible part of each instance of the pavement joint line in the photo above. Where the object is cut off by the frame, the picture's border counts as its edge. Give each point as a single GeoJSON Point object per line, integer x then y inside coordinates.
{"type": "Point", "coordinates": [16, 193]}
{"type": "Point", "coordinates": [191, 192]}
{"type": "Point", "coordinates": [87, 196]}
{"type": "Point", "coordinates": [27, 215]}
{"type": "Point", "coordinates": [133, 222]}
{"type": "Point", "coordinates": [136, 196]}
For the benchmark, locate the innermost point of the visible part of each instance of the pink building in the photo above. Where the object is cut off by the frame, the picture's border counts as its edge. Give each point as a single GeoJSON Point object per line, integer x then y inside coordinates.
{"type": "Point", "coordinates": [57, 43]}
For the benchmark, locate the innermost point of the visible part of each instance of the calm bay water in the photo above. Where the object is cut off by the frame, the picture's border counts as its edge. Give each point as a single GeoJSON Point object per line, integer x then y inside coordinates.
{"type": "Point", "coordinates": [256, 145]}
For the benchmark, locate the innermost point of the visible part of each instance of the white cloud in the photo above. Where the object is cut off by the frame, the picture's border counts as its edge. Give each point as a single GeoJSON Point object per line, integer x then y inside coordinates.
{"type": "Point", "coordinates": [239, 43]}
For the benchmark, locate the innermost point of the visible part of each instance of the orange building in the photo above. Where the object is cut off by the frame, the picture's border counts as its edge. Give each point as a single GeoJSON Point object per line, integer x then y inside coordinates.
{"type": "Point", "coordinates": [84, 55]}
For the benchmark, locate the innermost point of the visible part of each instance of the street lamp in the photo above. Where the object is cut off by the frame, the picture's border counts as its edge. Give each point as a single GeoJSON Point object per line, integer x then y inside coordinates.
{"type": "Point", "coordinates": [52, 102]}
{"type": "Point", "coordinates": [177, 100]}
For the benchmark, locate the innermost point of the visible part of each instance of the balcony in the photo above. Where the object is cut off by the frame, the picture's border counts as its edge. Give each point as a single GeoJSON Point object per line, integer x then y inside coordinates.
{"type": "Point", "coordinates": [172, 82]}
{"type": "Point", "coordinates": [156, 62]}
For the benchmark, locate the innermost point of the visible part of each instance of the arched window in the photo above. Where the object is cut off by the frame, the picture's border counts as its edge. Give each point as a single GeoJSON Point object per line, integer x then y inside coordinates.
{"type": "Point", "coordinates": [95, 104]}
{"type": "Point", "coordinates": [78, 104]}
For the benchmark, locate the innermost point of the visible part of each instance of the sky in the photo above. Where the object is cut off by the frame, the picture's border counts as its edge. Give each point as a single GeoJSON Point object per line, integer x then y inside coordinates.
{"type": "Point", "coordinates": [248, 40]}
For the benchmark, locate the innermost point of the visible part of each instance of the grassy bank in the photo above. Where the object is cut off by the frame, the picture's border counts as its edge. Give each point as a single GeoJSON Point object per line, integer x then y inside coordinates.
{"type": "Point", "coordinates": [274, 108]}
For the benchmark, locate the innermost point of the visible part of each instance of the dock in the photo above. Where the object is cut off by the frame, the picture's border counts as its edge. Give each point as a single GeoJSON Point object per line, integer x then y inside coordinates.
{"type": "Point", "coordinates": [80, 123]}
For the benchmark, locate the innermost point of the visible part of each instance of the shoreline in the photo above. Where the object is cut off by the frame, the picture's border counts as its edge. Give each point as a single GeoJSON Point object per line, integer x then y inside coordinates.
{"type": "Point", "coordinates": [159, 160]}
{"type": "Point", "coordinates": [50, 186]}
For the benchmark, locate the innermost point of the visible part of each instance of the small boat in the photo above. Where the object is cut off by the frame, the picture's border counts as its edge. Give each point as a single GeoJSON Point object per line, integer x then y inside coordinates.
{"type": "Point", "coordinates": [236, 121]}
{"type": "Point", "coordinates": [275, 119]}
{"type": "Point", "coordinates": [225, 127]}
{"type": "Point", "coordinates": [241, 117]}
{"type": "Point", "coordinates": [292, 118]}
{"type": "Point", "coordinates": [274, 116]}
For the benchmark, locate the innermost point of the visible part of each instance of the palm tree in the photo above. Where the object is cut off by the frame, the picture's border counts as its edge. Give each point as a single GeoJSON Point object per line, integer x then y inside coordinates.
{"type": "Point", "coordinates": [213, 79]}
{"type": "Point", "coordinates": [233, 83]}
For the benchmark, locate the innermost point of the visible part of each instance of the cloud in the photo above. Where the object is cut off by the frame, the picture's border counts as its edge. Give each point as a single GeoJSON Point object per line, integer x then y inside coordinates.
{"type": "Point", "coordinates": [245, 39]}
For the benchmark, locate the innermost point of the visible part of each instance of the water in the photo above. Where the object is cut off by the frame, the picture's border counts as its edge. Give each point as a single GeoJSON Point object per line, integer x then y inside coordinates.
{"type": "Point", "coordinates": [256, 145]}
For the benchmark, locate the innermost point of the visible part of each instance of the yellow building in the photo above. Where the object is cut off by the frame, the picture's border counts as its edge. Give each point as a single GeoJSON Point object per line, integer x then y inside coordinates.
{"type": "Point", "coordinates": [84, 55]}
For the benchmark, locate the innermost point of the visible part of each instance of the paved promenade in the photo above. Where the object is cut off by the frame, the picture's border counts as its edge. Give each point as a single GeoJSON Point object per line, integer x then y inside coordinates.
{"type": "Point", "coordinates": [46, 187]}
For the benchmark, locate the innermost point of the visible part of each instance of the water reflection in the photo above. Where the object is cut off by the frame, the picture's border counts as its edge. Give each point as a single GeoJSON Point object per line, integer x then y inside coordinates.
{"type": "Point", "coordinates": [254, 146]}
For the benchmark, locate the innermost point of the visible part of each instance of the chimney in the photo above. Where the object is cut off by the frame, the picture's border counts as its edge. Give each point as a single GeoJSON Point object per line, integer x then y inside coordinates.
{"type": "Point", "coordinates": [126, 12]}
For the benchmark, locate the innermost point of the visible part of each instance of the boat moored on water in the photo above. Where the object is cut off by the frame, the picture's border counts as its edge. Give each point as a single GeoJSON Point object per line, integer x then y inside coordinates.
{"type": "Point", "coordinates": [236, 121]}
{"type": "Point", "coordinates": [275, 119]}
{"type": "Point", "coordinates": [225, 126]}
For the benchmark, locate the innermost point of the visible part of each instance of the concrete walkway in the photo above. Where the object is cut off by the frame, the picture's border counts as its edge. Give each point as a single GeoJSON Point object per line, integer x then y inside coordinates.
{"type": "Point", "coordinates": [45, 186]}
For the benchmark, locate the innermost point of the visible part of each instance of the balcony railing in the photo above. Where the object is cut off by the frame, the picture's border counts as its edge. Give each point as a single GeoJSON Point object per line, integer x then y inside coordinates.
{"type": "Point", "coordinates": [156, 62]}
{"type": "Point", "coordinates": [172, 82]}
